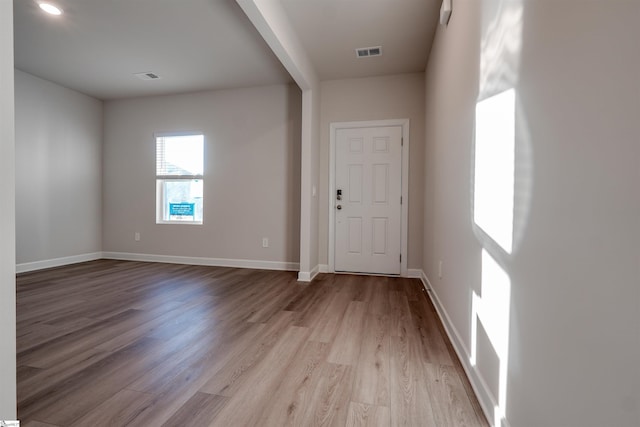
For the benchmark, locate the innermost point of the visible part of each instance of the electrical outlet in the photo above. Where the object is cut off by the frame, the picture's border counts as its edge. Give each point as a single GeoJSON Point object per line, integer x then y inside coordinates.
{"type": "Point", "coordinates": [136, 236]}
{"type": "Point", "coordinates": [265, 242]}
{"type": "Point", "coordinates": [440, 269]}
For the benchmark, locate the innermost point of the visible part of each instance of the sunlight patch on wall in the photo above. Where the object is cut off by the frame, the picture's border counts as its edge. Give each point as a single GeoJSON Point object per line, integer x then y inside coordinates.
{"type": "Point", "coordinates": [494, 167]}
{"type": "Point", "coordinates": [500, 191]}
{"type": "Point", "coordinates": [492, 309]}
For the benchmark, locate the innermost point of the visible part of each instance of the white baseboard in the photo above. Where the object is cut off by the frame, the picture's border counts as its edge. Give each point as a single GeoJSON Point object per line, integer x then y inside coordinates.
{"type": "Point", "coordinates": [214, 262]}
{"type": "Point", "coordinates": [125, 256]}
{"type": "Point", "coordinates": [324, 268]}
{"type": "Point", "coordinates": [56, 262]}
{"type": "Point", "coordinates": [414, 273]}
{"type": "Point", "coordinates": [308, 276]}
{"type": "Point", "coordinates": [479, 385]}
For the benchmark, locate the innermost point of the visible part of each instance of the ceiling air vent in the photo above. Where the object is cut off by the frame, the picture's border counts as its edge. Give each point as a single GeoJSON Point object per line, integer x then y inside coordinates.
{"type": "Point", "coordinates": [365, 52]}
{"type": "Point", "coordinates": [147, 76]}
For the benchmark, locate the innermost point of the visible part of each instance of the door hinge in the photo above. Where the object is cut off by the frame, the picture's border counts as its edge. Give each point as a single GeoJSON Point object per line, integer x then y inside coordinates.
{"type": "Point", "coordinates": [400, 257]}
{"type": "Point", "coordinates": [400, 199]}
{"type": "Point", "coordinates": [402, 141]}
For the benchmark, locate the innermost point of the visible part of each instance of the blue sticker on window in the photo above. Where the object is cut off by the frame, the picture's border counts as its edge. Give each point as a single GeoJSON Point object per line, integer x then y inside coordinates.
{"type": "Point", "coordinates": [182, 209]}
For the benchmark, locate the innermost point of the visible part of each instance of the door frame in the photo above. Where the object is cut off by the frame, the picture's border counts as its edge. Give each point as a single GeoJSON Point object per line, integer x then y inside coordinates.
{"type": "Point", "coordinates": [404, 215]}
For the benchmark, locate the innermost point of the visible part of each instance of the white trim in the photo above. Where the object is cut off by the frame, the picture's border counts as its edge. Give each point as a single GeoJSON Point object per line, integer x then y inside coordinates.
{"type": "Point", "coordinates": [478, 383]}
{"type": "Point", "coordinates": [308, 276]}
{"type": "Point", "coordinates": [414, 273]}
{"type": "Point", "coordinates": [306, 181]}
{"type": "Point", "coordinates": [126, 256]}
{"type": "Point", "coordinates": [333, 128]}
{"type": "Point", "coordinates": [214, 262]}
{"type": "Point", "coordinates": [56, 262]}
{"type": "Point", "coordinates": [324, 268]}
{"type": "Point", "coordinates": [161, 179]}
{"type": "Point", "coordinates": [304, 276]}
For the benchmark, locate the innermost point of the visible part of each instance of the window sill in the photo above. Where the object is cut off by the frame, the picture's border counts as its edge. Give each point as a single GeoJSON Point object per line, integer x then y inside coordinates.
{"type": "Point", "coordinates": [179, 222]}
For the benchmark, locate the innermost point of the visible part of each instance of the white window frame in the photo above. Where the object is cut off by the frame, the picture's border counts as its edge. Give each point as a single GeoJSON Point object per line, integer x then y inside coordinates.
{"type": "Point", "coordinates": [160, 179]}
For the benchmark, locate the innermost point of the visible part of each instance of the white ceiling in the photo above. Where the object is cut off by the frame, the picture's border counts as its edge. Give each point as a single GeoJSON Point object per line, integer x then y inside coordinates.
{"type": "Point", "coordinates": [331, 30]}
{"type": "Point", "coordinates": [96, 46]}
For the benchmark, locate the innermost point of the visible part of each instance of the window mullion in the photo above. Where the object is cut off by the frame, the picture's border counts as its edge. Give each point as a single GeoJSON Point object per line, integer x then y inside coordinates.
{"type": "Point", "coordinates": [179, 177]}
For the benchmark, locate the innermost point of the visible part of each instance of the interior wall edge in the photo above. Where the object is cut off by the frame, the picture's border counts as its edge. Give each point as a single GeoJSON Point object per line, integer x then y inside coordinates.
{"type": "Point", "coordinates": [479, 385]}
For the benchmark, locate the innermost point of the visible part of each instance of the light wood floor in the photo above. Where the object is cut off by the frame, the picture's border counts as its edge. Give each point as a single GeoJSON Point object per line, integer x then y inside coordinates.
{"type": "Point", "coordinates": [112, 343]}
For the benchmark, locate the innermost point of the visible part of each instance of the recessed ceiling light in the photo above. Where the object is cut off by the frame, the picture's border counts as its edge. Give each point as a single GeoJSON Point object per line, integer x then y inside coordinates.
{"type": "Point", "coordinates": [51, 9]}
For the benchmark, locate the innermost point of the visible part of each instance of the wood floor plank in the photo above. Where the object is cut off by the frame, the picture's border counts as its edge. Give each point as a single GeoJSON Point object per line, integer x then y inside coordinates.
{"type": "Point", "coordinates": [59, 374]}
{"type": "Point", "coordinates": [325, 326]}
{"type": "Point", "coordinates": [170, 398]}
{"type": "Point", "coordinates": [347, 343]}
{"type": "Point", "coordinates": [24, 373]}
{"type": "Point", "coordinates": [400, 313]}
{"type": "Point", "coordinates": [226, 381]}
{"type": "Point", "coordinates": [65, 402]}
{"type": "Point", "coordinates": [448, 398]}
{"type": "Point", "coordinates": [56, 351]}
{"type": "Point", "coordinates": [270, 302]}
{"type": "Point", "coordinates": [198, 411]}
{"type": "Point", "coordinates": [380, 301]}
{"type": "Point", "coordinates": [163, 326]}
{"type": "Point", "coordinates": [362, 289]}
{"type": "Point", "coordinates": [286, 406]}
{"type": "Point", "coordinates": [473, 400]}
{"type": "Point", "coordinates": [262, 382]}
{"type": "Point", "coordinates": [363, 415]}
{"type": "Point", "coordinates": [409, 403]}
{"type": "Point", "coordinates": [36, 334]}
{"type": "Point", "coordinates": [314, 306]}
{"type": "Point", "coordinates": [119, 410]}
{"type": "Point", "coordinates": [432, 342]}
{"type": "Point", "coordinates": [173, 391]}
{"type": "Point", "coordinates": [168, 371]}
{"type": "Point", "coordinates": [146, 344]}
{"type": "Point", "coordinates": [372, 370]}
{"type": "Point", "coordinates": [413, 289]}
{"type": "Point", "coordinates": [331, 397]}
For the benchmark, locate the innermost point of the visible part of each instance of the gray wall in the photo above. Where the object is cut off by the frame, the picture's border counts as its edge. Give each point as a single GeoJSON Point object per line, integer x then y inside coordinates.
{"type": "Point", "coordinates": [58, 171]}
{"type": "Point", "coordinates": [7, 219]}
{"type": "Point", "coordinates": [251, 182]}
{"type": "Point", "coordinates": [376, 98]}
{"type": "Point", "coordinates": [574, 335]}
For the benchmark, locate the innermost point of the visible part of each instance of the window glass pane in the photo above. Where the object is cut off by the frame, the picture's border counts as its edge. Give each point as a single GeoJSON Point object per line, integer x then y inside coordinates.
{"type": "Point", "coordinates": [182, 200]}
{"type": "Point", "coordinates": [179, 155]}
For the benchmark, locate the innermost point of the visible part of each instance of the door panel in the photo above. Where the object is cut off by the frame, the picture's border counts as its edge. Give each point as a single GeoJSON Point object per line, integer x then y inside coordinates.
{"type": "Point", "coordinates": [368, 224]}
{"type": "Point", "coordinates": [380, 184]}
{"type": "Point", "coordinates": [354, 186]}
{"type": "Point", "coordinates": [355, 235]}
{"type": "Point", "coordinates": [379, 234]}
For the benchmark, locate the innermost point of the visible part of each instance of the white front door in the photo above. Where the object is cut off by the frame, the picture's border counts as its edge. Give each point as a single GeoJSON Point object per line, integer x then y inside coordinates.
{"type": "Point", "coordinates": [368, 188]}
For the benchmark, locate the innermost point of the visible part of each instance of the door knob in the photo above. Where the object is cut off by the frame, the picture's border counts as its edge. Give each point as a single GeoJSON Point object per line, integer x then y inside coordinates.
{"type": "Point", "coordinates": [339, 207]}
